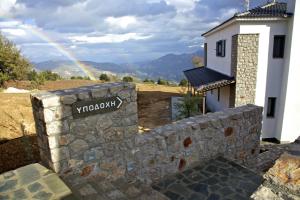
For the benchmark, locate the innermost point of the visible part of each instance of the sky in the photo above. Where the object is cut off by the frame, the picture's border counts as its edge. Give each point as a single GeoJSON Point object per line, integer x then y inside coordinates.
{"type": "Point", "coordinates": [120, 31]}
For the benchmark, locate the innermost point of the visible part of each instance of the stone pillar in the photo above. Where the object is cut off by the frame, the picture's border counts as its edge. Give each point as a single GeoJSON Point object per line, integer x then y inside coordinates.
{"type": "Point", "coordinates": [244, 58]}
{"type": "Point", "coordinates": [91, 144]}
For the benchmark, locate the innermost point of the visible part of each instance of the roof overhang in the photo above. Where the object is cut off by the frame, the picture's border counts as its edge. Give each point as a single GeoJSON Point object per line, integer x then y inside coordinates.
{"type": "Point", "coordinates": [235, 19]}
{"type": "Point", "coordinates": [214, 85]}
{"type": "Point", "coordinates": [204, 79]}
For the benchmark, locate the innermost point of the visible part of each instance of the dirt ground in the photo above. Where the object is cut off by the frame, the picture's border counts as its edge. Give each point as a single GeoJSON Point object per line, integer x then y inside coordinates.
{"type": "Point", "coordinates": [154, 104]}
{"type": "Point", "coordinates": [18, 145]}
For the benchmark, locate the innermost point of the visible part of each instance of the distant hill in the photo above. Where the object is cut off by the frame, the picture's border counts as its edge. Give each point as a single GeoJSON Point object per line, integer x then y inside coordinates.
{"type": "Point", "coordinates": [168, 67]}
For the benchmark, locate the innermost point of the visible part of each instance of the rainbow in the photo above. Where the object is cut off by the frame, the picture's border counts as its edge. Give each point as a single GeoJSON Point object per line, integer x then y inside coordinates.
{"type": "Point", "coordinates": [61, 49]}
{"type": "Point", "coordinates": [42, 35]}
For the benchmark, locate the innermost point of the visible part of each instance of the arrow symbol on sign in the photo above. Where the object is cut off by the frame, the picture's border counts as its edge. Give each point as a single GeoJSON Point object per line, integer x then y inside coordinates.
{"type": "Point", "coordinates": [120, 100]}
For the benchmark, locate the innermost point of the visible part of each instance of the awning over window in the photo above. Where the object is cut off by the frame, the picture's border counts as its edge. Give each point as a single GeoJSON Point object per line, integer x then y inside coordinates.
{"type": "Point", "coordinates": [204, 79]}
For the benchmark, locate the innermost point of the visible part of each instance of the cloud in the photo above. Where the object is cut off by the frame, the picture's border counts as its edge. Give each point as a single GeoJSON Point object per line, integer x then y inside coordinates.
{"type": "Point", "coordinates": [14, 32]}
{"type": "Point", "coordinates": [8, 7]}
{"type": "Point", "coordinates": [109, 38]}
{"type": "Point", "coordinates": [121, 22]}
{"type": "Point", "coordinates": [182, 5]}
{"type": "Point", "coordinates": [49, 3]}
{"type": "Point", "coordinates": [106, 30]}
{"type": "Point", "coordinates": [9, 24]}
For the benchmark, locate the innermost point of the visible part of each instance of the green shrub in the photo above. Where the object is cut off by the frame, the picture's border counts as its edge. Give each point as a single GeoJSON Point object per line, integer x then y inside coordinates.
{"type": "Point", "coordinates": [80, 78]}
{"type": "Point", "coordinates": [76, 77]}
{"type": "Point", "coordinates": [104, 77]}
{"type": "Point", "coordinates": [189, 106]}
{"type": "Point", "coordinates": [37, 80]}
{"type": "Point", "coordinates": [162, 82]}
{"type": "Point", "coordinates": [3, 78]}
{"type": "Point", "coordinates": [149, 81]}
{"type": "Point", "coordinates": [32, 75]}
{"type": "Point", "coordinates": [50, 76]}
{"type": "Point", "coordinates": [127, 79]}
{"type": "Point", "coordinates": [183, 83]}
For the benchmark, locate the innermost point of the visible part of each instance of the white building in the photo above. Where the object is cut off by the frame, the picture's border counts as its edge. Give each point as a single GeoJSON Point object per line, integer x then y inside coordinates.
{"type": "Point", "coordinates": [252, 58]}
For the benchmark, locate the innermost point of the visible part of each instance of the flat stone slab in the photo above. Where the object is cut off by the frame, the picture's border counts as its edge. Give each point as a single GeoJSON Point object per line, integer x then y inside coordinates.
{"type": "Point", "coordinates": [217, 179]}
{"type": "Point", "coordinates": [98, 188]}
{"type": "Point", "coordinates": [33, 182]}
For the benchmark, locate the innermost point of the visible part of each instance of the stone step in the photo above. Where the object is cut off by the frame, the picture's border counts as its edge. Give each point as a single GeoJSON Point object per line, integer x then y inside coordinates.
{"type": "Point", "coordinates": [33, 182]}
{"type": "Point", "coordinates": [97, 188]}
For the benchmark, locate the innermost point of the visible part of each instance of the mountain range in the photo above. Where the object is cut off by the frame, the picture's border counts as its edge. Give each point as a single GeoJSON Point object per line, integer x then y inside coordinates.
{"type": "Point", "coordinates": [169, 67]}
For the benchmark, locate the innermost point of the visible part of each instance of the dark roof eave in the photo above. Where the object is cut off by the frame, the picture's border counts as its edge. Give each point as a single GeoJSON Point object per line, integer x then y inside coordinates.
{"type": "Point", "coordinates": [202, 76]}
{"type": "Point", "coordinates": [214, 85]}
{"type": "Point", "coordinates": [244, 17]}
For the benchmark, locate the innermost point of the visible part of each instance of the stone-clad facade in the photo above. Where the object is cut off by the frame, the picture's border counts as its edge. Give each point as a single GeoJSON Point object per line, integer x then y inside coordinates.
{"type": "Point", "coordinates": [244, 58]}
{"type": "Point", "coordinates": [109, 145]}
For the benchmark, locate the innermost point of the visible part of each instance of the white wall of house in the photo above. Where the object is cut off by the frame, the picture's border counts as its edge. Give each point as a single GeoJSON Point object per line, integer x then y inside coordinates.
{"type": "Point", "coordinates": [212, 99]}
{"type": "Point", "coordinates": [269, 73]}
{"type": "Point", "coordinates": [289, 106]}
{"type": "Point", "coordinates": [221, 64]}
{"type": "Point", "coordinates": [269, 69]}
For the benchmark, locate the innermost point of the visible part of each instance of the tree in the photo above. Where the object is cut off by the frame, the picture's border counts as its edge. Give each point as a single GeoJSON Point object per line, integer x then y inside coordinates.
{"type": "Point", "coordinates": [80, 78]}
{"type": "Point", "coordinates": [104, 77]}
{"type": "Point", "coordinates": [183, 83]}
{"type": "Point", "coordinates": [197, 61]}
{"type": "Point", "coordinates": [162, 82]}
{"type": "Point", "coordinates": [50, 76]}
{"type": "Point", "coordinates": [3, 78]}
{"type": "Point", "coordinates": [127, 79]}
{"type": "Point", "coordinates": [13, 66]}
{"type": "Point", "coordinates": [149, 81]}
{"type": "Point", "coordinates": [36, 79]}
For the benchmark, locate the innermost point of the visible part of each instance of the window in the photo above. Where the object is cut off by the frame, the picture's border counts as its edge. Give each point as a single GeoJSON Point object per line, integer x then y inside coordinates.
{"type": "Point", "coordinates": [220, 48]}
{"type": "Point", "coordinates": [212, 92]}
{"type": "Point", "coordinates": [205, 54]}
{"type": "Point", "coordinates": [278, 46]}
{"type": "Point", "coordinates": [219, 94]}
{"type": "Point", "coordinates": [271, 107]}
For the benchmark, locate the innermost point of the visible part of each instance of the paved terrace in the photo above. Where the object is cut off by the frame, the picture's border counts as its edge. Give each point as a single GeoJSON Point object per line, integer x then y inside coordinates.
{"type": "Point", "coordinates": [218, 179]}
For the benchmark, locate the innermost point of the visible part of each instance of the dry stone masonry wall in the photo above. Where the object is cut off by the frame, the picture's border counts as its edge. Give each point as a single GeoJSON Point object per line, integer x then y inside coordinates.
{"type": "Point", "coordinates": [86, 145]}
{"type": "Point", "coordinates": [233, 134]}
{"type": "Point", "coordinates": [244, 68]}
{"type": "Point", "coordinates": [108, 144]}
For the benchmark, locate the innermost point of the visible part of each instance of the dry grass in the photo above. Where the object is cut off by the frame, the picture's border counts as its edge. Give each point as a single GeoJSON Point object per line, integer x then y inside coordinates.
{"type": "Point", "coordinates": [15, 109]}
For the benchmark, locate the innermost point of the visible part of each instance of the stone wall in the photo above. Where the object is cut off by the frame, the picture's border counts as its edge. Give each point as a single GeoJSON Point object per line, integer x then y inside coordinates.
{"type": "Point", "coordinates": [244, 59]}
{"type": "Point", "coordinates": [109, 145]}
{"type": "Point", "coordinates": [90, 145]}
{"type": "Point", "coordinates": [233, 134]}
